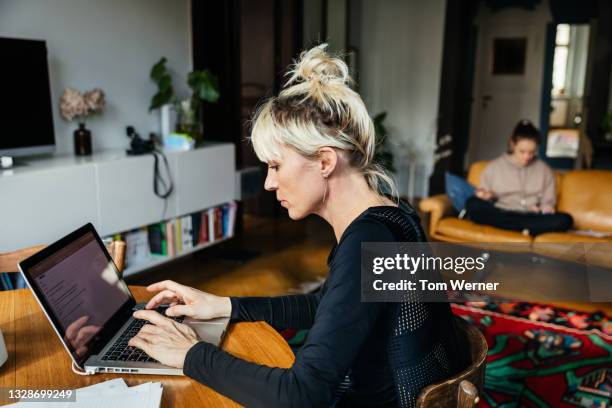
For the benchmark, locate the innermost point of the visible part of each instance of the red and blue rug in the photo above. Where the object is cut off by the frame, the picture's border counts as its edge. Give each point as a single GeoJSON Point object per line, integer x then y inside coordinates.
{"type": "Point", "coordinates": [542, 356]}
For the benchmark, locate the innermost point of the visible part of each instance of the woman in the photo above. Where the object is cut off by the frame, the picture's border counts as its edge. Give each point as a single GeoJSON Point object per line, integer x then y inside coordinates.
{"type": "Point", "coordinates": [318, 141]}
{"type": "Point", "coordinates": [517, 190]}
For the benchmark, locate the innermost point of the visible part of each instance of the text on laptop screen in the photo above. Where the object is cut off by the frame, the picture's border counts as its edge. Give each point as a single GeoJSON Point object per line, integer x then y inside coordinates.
{"type": "Point", "coordinates": [82, 289]}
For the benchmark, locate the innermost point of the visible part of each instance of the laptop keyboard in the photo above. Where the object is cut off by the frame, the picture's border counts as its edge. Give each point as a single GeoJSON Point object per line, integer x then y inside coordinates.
{"type": "Point", "coordinates": [120, 351]}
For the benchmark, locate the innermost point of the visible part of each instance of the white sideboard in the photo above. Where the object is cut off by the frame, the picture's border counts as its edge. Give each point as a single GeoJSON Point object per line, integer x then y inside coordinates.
{"type": "Point", "coordinates": [48, 198]}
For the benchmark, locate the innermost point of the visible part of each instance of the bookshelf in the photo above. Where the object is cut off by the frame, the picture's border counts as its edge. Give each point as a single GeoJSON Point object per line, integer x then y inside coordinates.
{"type": "Point", "coordinates": [174, 238]}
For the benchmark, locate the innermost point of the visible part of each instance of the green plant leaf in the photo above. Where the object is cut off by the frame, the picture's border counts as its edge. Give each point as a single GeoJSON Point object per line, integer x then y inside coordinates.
{"type": "Point", "coordinates": [165, 83]}
{"type": "Point", "coordinates": [204, 85]}
{"type": "Point", "coordinates": [159, 70]}
{"type": "Point", "coordinates": [161, 98]}
{"type": "Point", "coordinates": [165, 92]}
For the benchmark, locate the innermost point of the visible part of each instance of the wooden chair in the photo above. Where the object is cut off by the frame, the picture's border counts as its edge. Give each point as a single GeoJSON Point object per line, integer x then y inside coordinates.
{"type": "Point", "coordinates": [9, 260]}
{"type": "Point", "coordinates": [461, 390]}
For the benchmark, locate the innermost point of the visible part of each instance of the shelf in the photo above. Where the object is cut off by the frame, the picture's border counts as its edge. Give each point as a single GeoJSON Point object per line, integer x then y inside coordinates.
{"type": "Point", "coordinates": [161, 259]}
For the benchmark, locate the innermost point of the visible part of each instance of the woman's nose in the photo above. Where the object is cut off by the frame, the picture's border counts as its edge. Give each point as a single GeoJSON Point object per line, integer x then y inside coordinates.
{"type": "Point", "coordinates": [271, 183]}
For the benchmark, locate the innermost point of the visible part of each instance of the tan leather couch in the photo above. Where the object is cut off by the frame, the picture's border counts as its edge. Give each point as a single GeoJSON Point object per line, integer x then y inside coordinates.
{"type": "Point", "coordinates": [585, 194]}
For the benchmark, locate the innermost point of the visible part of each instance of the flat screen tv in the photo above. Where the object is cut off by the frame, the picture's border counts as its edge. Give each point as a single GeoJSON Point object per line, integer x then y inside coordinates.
{"type": "Point", "coordinates": [26, 118]}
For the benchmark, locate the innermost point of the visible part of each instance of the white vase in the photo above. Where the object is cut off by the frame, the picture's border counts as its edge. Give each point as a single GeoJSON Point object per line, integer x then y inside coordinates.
{"type": "Point", "coordinates": [168, 119]}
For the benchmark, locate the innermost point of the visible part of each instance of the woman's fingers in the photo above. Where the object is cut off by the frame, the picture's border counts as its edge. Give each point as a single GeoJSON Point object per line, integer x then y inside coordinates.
{"type": "Point", "coordinates": [141, 343]}
{"type": "Point", "coordinates": [167, 284]}
{"type": "Point", "coordinates": [148, 337]}
{"type": "Point", "coordinates": [162, 297]}
{"type": "Point", "coordinates": [149, 329]}
{"type": "Point", "coordinates": [153, 317]}
{"type": "Point", "coordinates": [180, 310]}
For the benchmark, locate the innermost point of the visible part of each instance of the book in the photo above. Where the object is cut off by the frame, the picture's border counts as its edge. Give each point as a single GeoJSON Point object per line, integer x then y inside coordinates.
{"type": "Point", "coordinates": [204, 234]}
{"type": "Point", "coordinates": [178, 239]}
{"type": "Point", "coordinates": [225, 216]}
{"type": "Point", "coordinates": [218, 223]}
{"type": "Point", "coordinates": [164, 242]}
{"type": "Point", "coordinates": [156, 237]}
{"type": "Point", "coordinates": [170, 237]}
{"type": "Point", "coordinates": [196, 222]}
{"type": "Point", "coordinates": [229, 219]}
{"type": "Point", "coordinates": [137, 249]}
{"type": "Point", "coordinates": [186, 233]}
{"type": "Point", "coordinates": [211, 224]}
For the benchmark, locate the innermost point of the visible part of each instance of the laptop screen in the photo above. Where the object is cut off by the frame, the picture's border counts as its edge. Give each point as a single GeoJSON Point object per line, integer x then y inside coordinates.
{"type": "Point", "coordinates": [79, 285]}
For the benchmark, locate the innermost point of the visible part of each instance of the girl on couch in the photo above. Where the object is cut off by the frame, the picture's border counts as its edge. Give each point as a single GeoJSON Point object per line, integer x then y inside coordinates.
{"type": "Point", "coordinates": [517, 190]}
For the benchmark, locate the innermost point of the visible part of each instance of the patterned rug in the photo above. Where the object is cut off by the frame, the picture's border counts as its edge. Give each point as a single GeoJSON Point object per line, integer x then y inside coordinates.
{"type": "Point", "coordinates": [541, 356]}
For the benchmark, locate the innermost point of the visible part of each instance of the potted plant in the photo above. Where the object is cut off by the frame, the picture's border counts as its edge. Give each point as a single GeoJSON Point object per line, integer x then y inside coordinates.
{"type": "Point", "coordinates": [204, 88]}
{"type": "Point", "coordinates": [74, 104]}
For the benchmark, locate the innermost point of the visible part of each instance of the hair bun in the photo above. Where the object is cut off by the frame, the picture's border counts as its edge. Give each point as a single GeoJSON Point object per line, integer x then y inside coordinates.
{"type": "Point", "coordinates": [316, 65]}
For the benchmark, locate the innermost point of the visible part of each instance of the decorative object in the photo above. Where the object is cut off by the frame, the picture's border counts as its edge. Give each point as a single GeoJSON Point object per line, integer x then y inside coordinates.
{"type": "Point", "coordinates": [204, 88]}
{"type": "Point", "coordinates": [74, 104]}
{"type": "Point", "coordinates": [178, 142]}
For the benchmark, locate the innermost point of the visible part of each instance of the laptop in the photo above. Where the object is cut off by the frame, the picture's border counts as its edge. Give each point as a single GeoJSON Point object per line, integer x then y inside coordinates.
{"type": "Point", "coordinates": [90, 307]}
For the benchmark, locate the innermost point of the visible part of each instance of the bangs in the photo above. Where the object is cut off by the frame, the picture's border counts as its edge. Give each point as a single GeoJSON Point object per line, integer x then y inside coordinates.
{"type": "Point", "coordinates": [266, 136]}
{"type": "Point", "coordinates": [291, 129]}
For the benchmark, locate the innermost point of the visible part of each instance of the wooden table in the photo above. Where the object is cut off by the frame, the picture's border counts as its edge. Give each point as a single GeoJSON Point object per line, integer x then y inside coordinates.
{"type": "Point", "coordinates": [37, 359]}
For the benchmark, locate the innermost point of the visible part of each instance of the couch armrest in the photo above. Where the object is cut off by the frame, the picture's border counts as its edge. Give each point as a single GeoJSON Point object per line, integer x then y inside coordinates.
{"type": "Point", "coordinates": [438, 206]}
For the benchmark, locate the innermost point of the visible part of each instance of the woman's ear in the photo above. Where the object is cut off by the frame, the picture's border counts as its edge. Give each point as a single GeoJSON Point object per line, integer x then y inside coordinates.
{"type": "Point", "coordinates": [328, 160]}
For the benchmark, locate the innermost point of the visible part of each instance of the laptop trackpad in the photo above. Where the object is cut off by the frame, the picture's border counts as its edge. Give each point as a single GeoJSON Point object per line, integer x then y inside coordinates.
{"type": "Point", "coordinates": [210, 331]}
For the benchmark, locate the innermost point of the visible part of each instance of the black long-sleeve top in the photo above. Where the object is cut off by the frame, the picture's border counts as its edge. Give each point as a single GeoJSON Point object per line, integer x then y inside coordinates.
{"type": "Point", "coordinates": [346, 337]}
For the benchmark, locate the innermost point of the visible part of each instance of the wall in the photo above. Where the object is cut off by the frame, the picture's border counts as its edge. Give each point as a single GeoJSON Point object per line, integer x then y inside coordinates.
{"type": "Point", "coordinates": [400, 65]}
{"type": "Point", "coordinates": [336, 25]}
{"type": "Point", "coordinates": [110, 44]}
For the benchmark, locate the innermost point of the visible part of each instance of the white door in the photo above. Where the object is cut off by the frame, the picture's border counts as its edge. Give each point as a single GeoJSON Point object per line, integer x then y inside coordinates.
{"type": "Point", "coordinates": [508, 78]}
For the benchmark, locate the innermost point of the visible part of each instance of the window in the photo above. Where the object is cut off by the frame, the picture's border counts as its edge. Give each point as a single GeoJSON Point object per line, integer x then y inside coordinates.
{"type": "Point", "coordinates": [562, 44]}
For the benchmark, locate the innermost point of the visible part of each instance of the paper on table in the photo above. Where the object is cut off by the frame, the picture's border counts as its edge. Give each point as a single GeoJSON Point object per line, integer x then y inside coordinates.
{"type": "Point", "coordinates": [112, 393]}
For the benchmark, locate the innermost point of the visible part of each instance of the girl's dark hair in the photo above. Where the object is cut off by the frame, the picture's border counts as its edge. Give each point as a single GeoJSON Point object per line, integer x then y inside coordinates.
{"type": "Point", "coordinates": [524, 130]}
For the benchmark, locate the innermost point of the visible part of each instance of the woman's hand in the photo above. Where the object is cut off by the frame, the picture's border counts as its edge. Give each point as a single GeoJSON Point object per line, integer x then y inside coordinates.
{"type": "Point", "coordinates": [165, 340]}
{"type": "Point", "coordinates": [545, 209]}
{"type": "Point", "coordinates": [186, 301]}
{"type": "Point", "coordinates": [484, 194]}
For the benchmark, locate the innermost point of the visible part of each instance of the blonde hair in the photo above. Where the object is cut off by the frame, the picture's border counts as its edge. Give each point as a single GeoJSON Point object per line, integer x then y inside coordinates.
{"type": "Point", "coordinates": [317, 108]}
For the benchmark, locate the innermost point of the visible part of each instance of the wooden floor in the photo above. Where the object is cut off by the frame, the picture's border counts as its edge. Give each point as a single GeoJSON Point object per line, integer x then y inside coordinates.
{"type": "Point", "coordinates": [272, 257]}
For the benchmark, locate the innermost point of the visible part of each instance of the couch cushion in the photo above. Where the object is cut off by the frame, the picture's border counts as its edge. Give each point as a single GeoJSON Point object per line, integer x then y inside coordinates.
{"type": "Point", "coordinates": [569, 237]}
{"type": "Point", "coordinates": [464, 230]}
{"type": "Point", "coordinates": [587, 196]}
{"type": "Point", "coordinates": [475, 171]}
